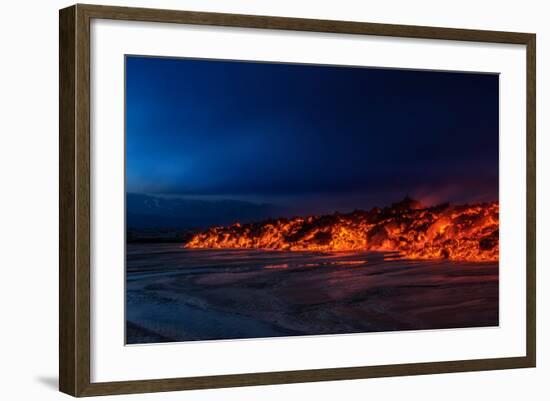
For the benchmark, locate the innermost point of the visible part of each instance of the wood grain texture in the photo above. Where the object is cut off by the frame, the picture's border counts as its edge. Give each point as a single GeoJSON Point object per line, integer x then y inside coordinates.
{"type": "Point", "coordinates": [74, 199]}
{"type": "Point", "coordinates": [531, 201]}
{"type": "Point", "coordinates": [301, 24]}
{"type": "Point", "coordinates": [302, 376]}
{"type": "Point", "coordinates": [67, 129]}
{"type": "Point", "coordinates": [82, 200]}
{"type": "Point", "coordinates": [74, 207]}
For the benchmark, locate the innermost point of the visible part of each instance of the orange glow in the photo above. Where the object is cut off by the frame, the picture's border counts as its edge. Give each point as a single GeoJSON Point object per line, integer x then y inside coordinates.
{"type": "Point", "coordinates": [281, 266]}
{"type": "Point", "coordinates": [465, 232]}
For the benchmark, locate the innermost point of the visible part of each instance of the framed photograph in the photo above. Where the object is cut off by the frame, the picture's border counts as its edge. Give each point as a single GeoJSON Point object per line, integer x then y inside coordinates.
{"type": "Point", "coordinates": [250, 200]}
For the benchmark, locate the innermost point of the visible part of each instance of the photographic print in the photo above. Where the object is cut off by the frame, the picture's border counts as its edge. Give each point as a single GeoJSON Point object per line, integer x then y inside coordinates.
{"type": "Point", "coordinates": [279, 199]}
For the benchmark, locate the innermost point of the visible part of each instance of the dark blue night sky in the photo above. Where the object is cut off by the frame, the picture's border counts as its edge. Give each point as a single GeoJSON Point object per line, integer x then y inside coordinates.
{"type": "Point", "coordinates": [311, 139]}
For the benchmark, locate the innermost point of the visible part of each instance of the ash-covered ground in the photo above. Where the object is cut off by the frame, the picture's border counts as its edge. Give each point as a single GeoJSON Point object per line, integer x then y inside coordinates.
{"type": "Point", "coordinates": [176, 294]}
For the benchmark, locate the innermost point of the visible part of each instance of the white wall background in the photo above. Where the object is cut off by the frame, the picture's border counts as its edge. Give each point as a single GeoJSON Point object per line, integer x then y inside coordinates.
{"type": "Point", "coordinates": [29, 185]}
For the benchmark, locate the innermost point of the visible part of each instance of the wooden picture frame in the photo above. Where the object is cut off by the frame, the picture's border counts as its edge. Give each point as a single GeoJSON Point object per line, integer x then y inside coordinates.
{"type": "Point", "coordinates": [74, 205]}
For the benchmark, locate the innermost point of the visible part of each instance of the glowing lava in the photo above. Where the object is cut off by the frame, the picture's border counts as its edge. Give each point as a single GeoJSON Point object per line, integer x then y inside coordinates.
{"type": "Point", "coordinates": [459, 232]}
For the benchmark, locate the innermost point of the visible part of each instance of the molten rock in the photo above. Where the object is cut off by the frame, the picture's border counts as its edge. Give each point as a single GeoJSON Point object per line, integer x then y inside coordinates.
{"type": "Point", "coordinates": [462, 232]}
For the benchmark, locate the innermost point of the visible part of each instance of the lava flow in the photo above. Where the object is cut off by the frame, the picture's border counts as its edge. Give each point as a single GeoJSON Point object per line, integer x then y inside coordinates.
{"type": "Point", "coordinates": [454, 232]}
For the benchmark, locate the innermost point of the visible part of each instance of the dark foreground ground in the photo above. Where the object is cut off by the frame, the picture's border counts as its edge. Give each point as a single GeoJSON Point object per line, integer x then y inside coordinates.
{"type": "Point", "coordinates": [176, 294]}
